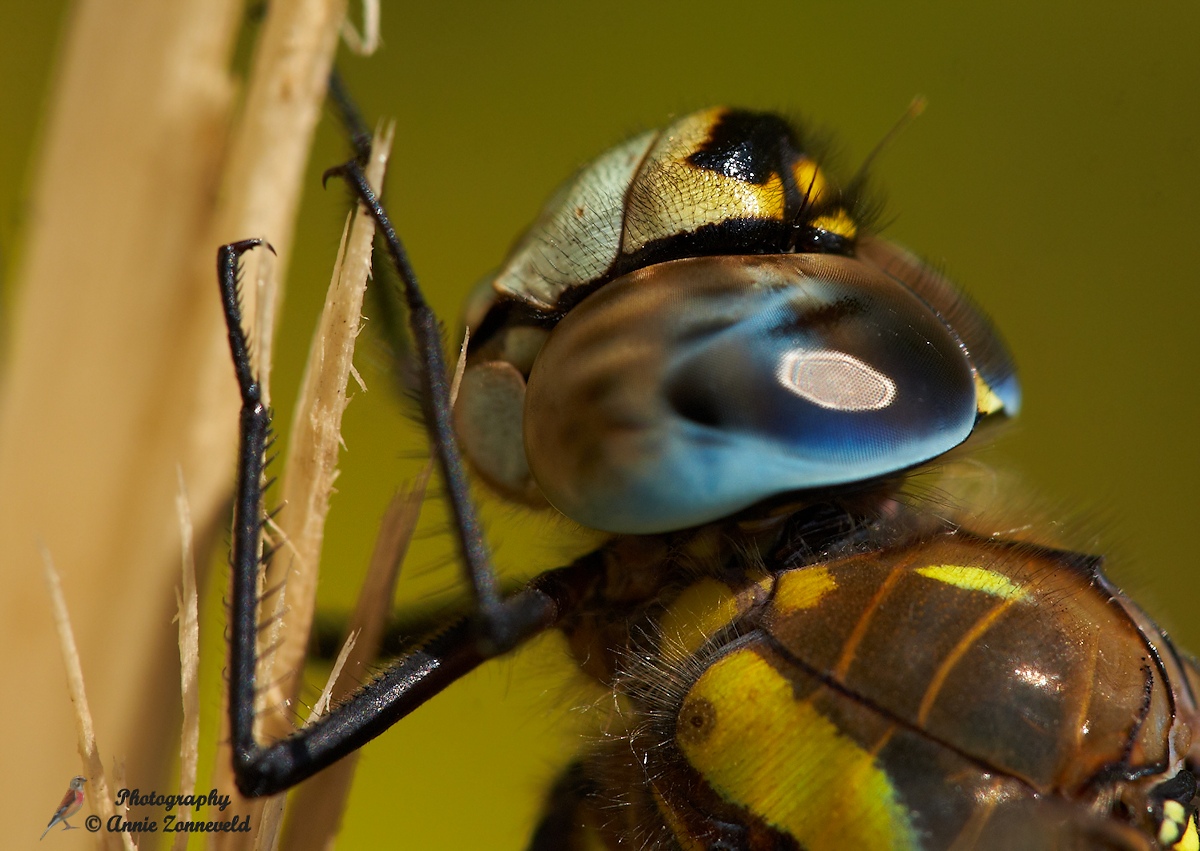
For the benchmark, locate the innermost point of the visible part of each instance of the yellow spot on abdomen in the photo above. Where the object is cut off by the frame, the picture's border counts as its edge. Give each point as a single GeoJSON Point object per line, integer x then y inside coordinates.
{"type": "Point", "coordinates": [756, 745]}
{"type": "Point", "coordinates": [974, 579]}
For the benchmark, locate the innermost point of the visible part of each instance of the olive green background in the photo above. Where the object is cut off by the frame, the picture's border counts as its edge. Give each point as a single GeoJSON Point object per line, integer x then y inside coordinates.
{"type": "Point", "coordinates": [1054, 174]}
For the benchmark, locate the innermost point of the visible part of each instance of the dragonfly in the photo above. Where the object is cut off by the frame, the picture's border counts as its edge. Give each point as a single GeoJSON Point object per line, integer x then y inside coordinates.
{"type": "Point", "coordinates": [701, 349]}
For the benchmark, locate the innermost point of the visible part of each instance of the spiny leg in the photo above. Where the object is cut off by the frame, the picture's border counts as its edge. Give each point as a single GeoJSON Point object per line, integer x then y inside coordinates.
{"type": "Point", "coordinates": [385, 294]}
{"type": "Point", "coordinates": [426, 668]}
{"type": "Point", "coordinates": [500, 623]}
{"type": "Point", "coordinates": [357, 132]}
{"type": "Point", "coordinates": [253, 430]}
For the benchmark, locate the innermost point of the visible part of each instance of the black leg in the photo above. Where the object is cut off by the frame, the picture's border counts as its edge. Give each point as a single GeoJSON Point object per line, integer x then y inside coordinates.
{"type": "Point", "coordinates": [351, 117]}
{"type": "Point", "coordinates": [500, 623]}
{"type": "Point", "coordinates": [254, 429]}
{"type": "Point", "coordinates": [402, 632]}
{"type": "Point", "coordinates": [387, 318]}
{"type": "Point", "coordinates": [428, 666]}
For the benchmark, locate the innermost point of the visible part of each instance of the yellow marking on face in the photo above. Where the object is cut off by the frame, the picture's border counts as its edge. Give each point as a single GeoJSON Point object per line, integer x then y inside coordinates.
{"type": "Point", "coordinates": [974, 579]}
{"type": "Point", "coordinates": [810, 181]}
{"type": "Point", "coordinates": [802, 589]}
{"type": "Point", "coordinates": [838, 222]}
{"type": "Point", "coordinates": [986, 400]}
{"type": "Point", "coordinates": [756, 745]}
{"type": "Point", "coordinates": [696, 614]}
{"type": "Point", "coordinates": [672, 196]}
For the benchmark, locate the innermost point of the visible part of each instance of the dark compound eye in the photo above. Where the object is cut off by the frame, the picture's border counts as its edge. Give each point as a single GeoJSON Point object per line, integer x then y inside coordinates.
{"type": "Point", "coordinates": [690, 390]}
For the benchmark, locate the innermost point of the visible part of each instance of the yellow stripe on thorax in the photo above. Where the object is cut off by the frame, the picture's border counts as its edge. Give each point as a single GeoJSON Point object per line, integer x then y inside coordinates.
{"type": "Point", "coordinates": [974, 579]}
{"type": "Point", "coordinates": [701, 610]}
{"type": "Point", "coordinates": [799, 590]}
{"type": "Point", "coordinates": [756, 745]}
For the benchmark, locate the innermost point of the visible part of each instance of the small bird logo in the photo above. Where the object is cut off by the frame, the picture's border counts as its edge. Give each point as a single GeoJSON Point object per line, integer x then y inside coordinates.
{"type": "Point", "coordinates": [70, 805]}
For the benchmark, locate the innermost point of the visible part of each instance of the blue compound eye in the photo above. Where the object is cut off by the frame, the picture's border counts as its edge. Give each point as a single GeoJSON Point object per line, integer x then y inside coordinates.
{"type": "Point", "coordinates": [689, 390]}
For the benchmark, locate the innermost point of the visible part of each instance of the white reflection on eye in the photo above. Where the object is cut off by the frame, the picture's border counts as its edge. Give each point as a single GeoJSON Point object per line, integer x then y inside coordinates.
{"type": "Point", "coordinates": [1038, 679]}
{"type": "Point", "coordinates": [835, 380]}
